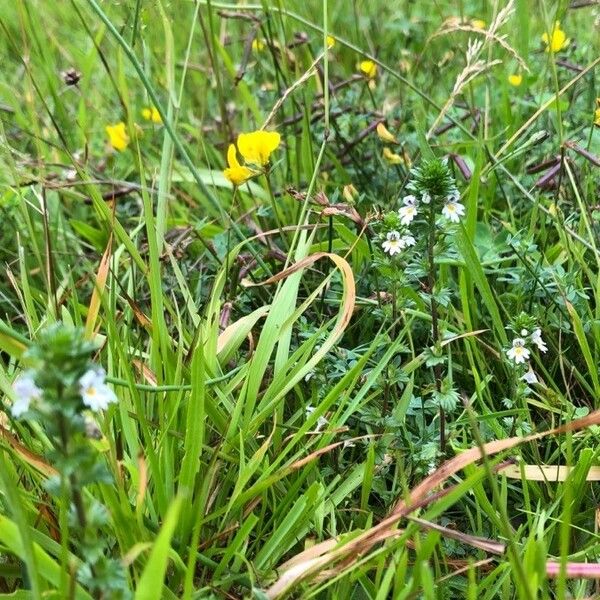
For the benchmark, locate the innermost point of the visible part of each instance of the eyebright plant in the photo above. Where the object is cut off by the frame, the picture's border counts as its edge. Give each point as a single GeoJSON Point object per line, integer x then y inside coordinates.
{"type": "Point", "coordinates": [422, 222]}
{"type": "Point", "coordinates": [61, 392]}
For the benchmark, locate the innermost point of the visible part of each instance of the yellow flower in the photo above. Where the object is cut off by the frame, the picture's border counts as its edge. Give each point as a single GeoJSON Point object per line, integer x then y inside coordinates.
{"type": "Point", "coordinates": [557, 41]}
{"type": "Point", "coordinates": [350, 193]}
{"type": "Point", "coordinates": [478, 23]}
{"type": "Point", "coordinates": [256, 147]}
{"type": "Point", "coordinates": [151, 114]}
{"type": "Point", "coordinates": [330, 41]}
{"type": "Point", "coordinates": [236, 173]}
{"type": "Point", "coordinates": [391, 157]}
{"type": "Point", "coordinates": [515, 80]}
{"type": "Point", "coordinates": [257, 45]}
{"type": "Point", "coordinates": [597, 113]}
{"type": "Point", "coordinates": [117, 136]}
{"type": "Point", "coordinates": [368, 68]}
{"type": "Point", "coordinates": [385, 135]}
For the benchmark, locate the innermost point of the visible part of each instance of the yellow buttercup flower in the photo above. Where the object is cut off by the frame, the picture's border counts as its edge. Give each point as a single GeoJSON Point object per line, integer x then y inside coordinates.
{"type": "Point", "coordinates": [330, 41]}
{"type": "Point", "coordinates": [117, 136]}
{"type": "Point", "coordinates": [385, 135]}
{"type": "Point", "coordinates": [256, 147]}
{"type": "Point", "coordinates": [557, 41]}
{"type": "Point", "coordinates": [257, 45]}
{"type": "Point", "coordinates": [235, 172]}
{"type": "Point", "coordinates": [392, 157]}
{"type": "Point", "coordinates": [151, 114]}
{"type": "Point", "coordinates": [515, 80]}
{"type": "Point", "coordinates": [597, 113]}
{"type": "Point", "coordinates": [478, 23]}
{"type": "Point", "coordinates": [368, 68]}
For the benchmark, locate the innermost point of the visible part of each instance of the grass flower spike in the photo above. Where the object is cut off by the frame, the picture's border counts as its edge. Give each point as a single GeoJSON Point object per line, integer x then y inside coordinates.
{"type": "Point", "coordinates": [518, 352]}
{"type": "Point", "coordinates": [557, 41]}
{"type": "Point", "coordinates": [152, 114]}
{"type": "Point", "coordinates": [117, 136]}
{"type": "Point", "coordinates": [236, 173]}
{"type": "Point", "coordinates": [256, 147]}
{"type": "Point", "coordinates": [95, 393]}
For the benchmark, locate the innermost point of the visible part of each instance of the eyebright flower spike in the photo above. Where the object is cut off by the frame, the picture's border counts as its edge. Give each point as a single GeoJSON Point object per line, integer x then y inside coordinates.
{"type": "Point", "coordinates": [256, 147]}
{"type": "Point", "coordinates": [236, 173]}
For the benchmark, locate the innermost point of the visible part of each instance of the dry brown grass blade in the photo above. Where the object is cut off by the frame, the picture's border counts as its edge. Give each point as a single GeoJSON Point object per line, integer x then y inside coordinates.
{"type": "Point", "coordinates": [471, 540]}
{"type": "Point", "coordinates": [363, 543]}
{"type": "Point", "coordinates": [96, 300]}
{"type": "Point", "coordinates": [29, 457]}
{"type": "Point", "coordinates": [549, 473]}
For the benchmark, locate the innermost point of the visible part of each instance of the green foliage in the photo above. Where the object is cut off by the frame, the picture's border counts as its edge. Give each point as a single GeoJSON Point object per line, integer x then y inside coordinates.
{"type": "Point", "coordinates": [211, 392]}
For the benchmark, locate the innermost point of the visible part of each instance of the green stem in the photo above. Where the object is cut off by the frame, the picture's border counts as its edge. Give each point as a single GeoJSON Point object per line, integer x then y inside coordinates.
{"type": "Point", "coordinates": [435, 330]}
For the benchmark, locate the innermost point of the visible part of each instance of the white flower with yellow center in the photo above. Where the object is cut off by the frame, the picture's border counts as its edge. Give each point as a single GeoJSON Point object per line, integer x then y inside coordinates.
{"type": "Point", "coordinates": [453, 210]}
{"type": "Point", "coordinates": [95, 394]}
{"type": "Point", "coordinates": [536, 338]}
{"type": "Point", "coordinates": [392, 244]}
{"type": "Point", "coordinates": [518, 352]}
{"type": "Point", "coordinates": [26, 392]}
{"type": "Point", "coordinates": [409, 211]}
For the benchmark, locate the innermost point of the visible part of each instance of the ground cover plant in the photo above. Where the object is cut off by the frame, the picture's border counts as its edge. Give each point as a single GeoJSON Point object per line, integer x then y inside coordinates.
{"type": "Point", "coordinates": [299, 299]}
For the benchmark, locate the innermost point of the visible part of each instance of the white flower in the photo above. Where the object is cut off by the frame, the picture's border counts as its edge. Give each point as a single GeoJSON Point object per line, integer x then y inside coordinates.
{"type": "Point", "coordinates": [453, 210]}
{"type": "Point", "coordinates": [409, 211]}
{"type": "Point", "coordinates": [95, 394]}
{"type": "Point", "coordinates": [407, 240]}
{"type": "Point", "coordinates": [530, 376]}
{"type": "Point", "coordinates": [426, 198]}
{"type": "Point", "coordinates": [536, 338]}
{"type": "Point", "coordinates": [518, 352]}
{"type": "Point", "coordinates": [26, 392]}
{"type": "Point", "coordinates": [524, 333]}
{"type": "Point", "coordinates": [321, 421]}
{"type": "Point", "coordinates": [392, 244]}
{"type": "Point", "coordinates": [453, 196]}
{"type": "Point", "coordinates": [395, 242]}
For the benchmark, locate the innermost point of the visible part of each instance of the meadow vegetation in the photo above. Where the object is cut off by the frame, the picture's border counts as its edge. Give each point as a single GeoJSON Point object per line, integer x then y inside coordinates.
{"type": "Point", "coordinates": [299, 299]}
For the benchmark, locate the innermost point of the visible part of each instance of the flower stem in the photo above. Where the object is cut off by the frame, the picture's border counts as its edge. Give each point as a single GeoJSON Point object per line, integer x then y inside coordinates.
{"type": "Point", "coordinates": [435, 330]}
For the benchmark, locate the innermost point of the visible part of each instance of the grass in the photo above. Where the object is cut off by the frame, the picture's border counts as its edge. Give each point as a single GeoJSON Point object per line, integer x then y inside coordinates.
{"type": "Point", "coordinates": [281, 380]}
